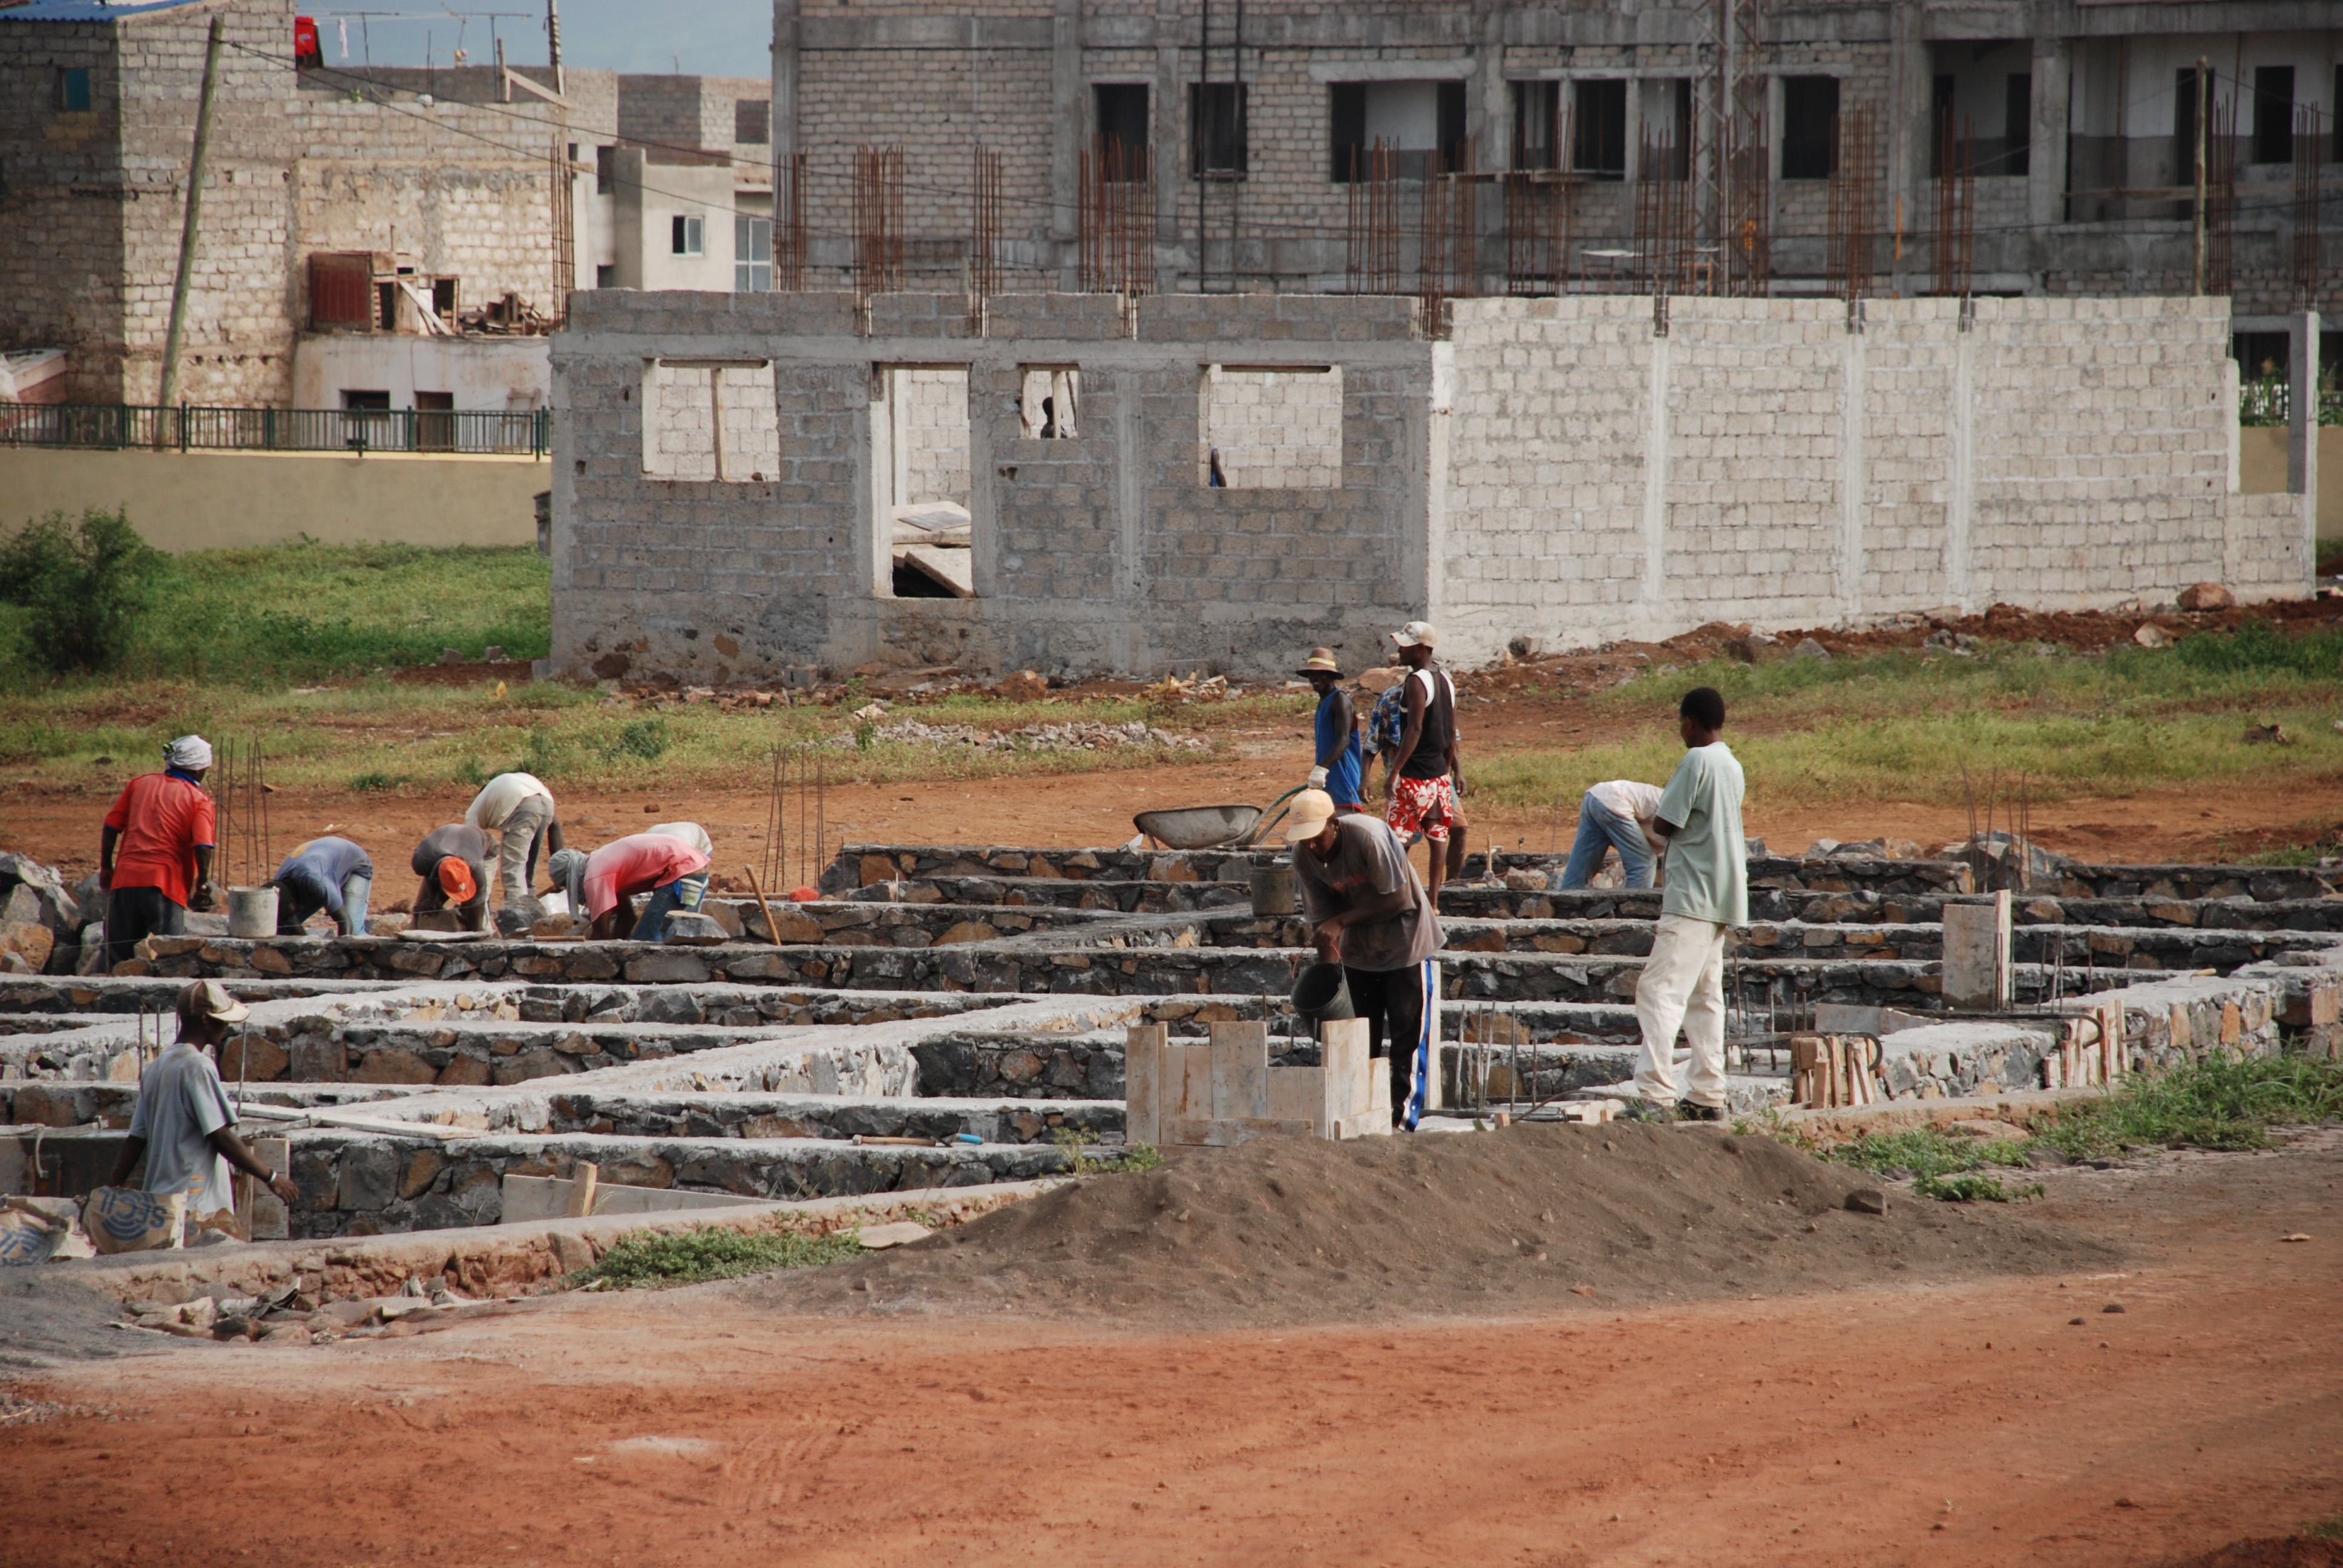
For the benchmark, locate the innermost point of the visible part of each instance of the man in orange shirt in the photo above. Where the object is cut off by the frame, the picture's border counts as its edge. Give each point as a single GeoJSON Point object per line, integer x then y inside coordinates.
{"type": "Point", "coordinates": [155, 860]}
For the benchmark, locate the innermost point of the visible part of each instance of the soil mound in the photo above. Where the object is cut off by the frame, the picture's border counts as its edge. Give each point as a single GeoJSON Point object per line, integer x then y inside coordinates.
{"type": "Point", "coordinates": [1290, 1231]}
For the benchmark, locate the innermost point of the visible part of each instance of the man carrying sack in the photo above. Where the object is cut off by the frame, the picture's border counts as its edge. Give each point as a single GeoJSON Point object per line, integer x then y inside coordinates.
{"type": "Point", "coordinates": [1370, 914]}
{"type": "Point", "coordinates": [185, 1128]}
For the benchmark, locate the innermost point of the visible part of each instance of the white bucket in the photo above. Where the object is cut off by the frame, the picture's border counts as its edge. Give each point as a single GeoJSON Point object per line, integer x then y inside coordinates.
{"type": "Point", "coordinates": [252, 913]}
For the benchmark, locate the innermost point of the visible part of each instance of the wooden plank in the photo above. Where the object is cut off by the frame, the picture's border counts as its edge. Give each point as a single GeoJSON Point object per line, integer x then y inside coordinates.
{"type": "Point", "coordinates": [1240, 1053]}
{"type": "Point", "coordinates": [1142, 1080]}
{"type": "Point", "coordinates": [1342, 1046]}
{"type": "Point", "coordinates": [1195, 1080]}
{"type": "Point", "coordinates": [584, 1177]}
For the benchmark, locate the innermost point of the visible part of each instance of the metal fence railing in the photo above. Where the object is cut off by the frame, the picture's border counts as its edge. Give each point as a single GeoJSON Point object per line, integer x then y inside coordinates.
{"type": "Point", "coordinates": [516, 432]}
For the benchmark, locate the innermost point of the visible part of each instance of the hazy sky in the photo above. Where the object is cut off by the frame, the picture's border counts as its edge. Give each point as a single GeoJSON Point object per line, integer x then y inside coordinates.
{"type": "Point", "coordinates": [712, 37]}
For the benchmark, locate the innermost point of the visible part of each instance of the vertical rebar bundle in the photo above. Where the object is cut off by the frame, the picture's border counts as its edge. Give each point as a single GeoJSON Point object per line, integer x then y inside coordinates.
{"type": "Point", "coordinates": [1115, 248]}
{"type": "Point", "coordinates": [1747, 241]}
{"type": "Point", "coordinates": [984, 225]}
{"type": "Point", "coordinates": [800, 783]}
{"type": "Point", "coordinates": [789, 225]}
{"type": "Point", "coordinates": [1432, 252]}
{"type": "Point", "coordinates": [2310, 144]}
{"type": "Point", "coordinates": [1853, 202]}
{"type": "Point", "coordinates": [2220, 193]}
{"type": "Point", "coordinates": [877, 221]}
{"type": "Point", "coordinates": [1663, 213]}
{"type": "Point", "coordinates": [1464, 268]}
{"type": "Point", "coordinates": [244, 854]}
{"type": "Point", "coordinates": [1370, 240]}
{"type": "Point", "coordinates": [565, 231]}
{"type": "Point", "coordinates": [1955, 249]}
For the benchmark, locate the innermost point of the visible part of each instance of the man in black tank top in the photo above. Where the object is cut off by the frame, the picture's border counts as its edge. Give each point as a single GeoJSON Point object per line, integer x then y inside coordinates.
{"type": "Point", "coordinates": [1425, 777]}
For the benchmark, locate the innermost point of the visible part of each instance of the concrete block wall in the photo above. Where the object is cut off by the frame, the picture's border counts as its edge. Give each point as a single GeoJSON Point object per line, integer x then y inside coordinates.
{"type": "Point", "coordinates": [932, 438]}
{"type": "Point", "coordinates": [1275, 430]}
{"type": "Point", "coordinates": [1762, 462]}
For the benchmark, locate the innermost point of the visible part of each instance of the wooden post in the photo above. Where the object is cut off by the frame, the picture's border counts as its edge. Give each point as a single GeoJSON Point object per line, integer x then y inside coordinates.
{"type": "Point", "coordinates": [2204, 110]}
{"type": "Point", "coordinates": [585, 1176]}
{"type": "Point", "coordinates": [176, 335]}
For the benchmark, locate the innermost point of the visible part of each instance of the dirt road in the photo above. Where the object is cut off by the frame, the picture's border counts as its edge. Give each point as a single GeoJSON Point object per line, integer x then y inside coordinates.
{"type": "Point", "coordinates": [1971, 1422]}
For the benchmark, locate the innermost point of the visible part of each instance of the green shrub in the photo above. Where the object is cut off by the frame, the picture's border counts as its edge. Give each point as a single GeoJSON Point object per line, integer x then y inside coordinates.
{"type": "Point", "coordinates": [646, 740]}
{"type": "Point", "coordinates": [376, 783]}
{"type": "Point", "coordinates": [85, 588]}
{"type": "Point", "coordinates": [716, 1252]}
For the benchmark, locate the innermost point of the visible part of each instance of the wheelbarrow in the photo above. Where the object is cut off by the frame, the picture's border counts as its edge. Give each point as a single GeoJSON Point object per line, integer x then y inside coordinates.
{"type": "Point", "coordinates": [1212, 827]}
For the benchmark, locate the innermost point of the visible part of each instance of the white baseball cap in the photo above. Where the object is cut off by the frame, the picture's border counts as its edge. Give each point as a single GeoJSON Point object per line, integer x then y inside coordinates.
{"type": "Point", "coordinates": [1308, 816]}
{"type": "Point", "coordinates": [1417, 634]}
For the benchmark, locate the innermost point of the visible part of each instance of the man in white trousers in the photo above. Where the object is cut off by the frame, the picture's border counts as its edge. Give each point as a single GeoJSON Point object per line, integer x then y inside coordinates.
{"type": "Point", "coordinates": [1682, 983]}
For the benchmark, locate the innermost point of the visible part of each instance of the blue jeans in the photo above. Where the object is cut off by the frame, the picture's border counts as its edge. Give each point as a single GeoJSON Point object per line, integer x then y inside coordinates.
{"type": "Point", "coordinates": [1600, 830]}
{"type": "Point", "coordinates": [683, 893]}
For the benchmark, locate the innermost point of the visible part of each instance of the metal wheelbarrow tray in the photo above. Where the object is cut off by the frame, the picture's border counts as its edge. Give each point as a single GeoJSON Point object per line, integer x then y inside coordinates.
{"type": "Point", "coordinates": [1199, 827]}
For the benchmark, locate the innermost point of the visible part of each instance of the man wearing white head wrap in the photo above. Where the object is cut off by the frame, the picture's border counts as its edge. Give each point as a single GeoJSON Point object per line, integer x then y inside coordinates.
{"type": "Point", "coordinates": [155, 858]}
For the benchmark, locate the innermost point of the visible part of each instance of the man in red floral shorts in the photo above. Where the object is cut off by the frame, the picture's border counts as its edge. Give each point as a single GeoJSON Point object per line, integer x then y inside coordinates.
{"type": "Point", "coordinates": [1425, 777]}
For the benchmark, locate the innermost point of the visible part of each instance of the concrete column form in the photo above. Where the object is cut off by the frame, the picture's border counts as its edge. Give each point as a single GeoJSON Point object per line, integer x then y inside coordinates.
{"type": "Point", "coordinates": [2302, 426]}
{"type": "Point", "coordinates": [1847, 564]}
{"type": "Point", "coordinates": [1910, 134]}
{"type": "Point", "coordinates": [785, 87]}
{"type": "Point", "coordinates": [1431, 571]}
{"type": "Point", "coordinates": [1652, 599]}
{"type": "Point", "coordinates": [1167, 127]}
{"type": "Point", "coordinates": [1066, 140]}
{"type": "Point", "coordinates": [874, 455]}
{"type": "Point", "coordinates": [1960, 476]}
{"type": "Point", "coordinates": [1130, 639]}
{"type": "Point", "coordinates": [983, 485]}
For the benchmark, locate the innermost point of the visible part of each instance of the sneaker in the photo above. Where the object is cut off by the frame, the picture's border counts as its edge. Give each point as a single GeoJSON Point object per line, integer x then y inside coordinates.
{"type": "Point", "coordinates": [1688, 1111]}
{"type": "Point", "coordinates": [1641, 1109]}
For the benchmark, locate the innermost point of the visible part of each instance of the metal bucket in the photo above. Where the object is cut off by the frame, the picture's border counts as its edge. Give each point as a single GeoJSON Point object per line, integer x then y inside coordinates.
{"type": "Point", "coordinates": [1274, 890]}
{"type": "Point", "coordinates": [1323, 994]}
{"type": "Point", "coordinates": [252, 913]}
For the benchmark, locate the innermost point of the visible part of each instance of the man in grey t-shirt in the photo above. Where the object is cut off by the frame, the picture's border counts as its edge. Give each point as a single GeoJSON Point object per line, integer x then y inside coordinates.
{"type": "Point", "coordinates": [1370, 914]}
{"type": "Point", "coordinates": [183, 1122]}
{"type": "Point", "coordinates": [1682, 983]}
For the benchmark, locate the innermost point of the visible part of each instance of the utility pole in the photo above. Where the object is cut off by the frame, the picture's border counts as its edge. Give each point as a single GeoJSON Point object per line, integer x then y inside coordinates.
{"type": "Point", "coordinates": [2203, 106]}
{"type": "Point", "coordinates": [176, 335]}
{"type": "Point", "coordinates": [553, 43]}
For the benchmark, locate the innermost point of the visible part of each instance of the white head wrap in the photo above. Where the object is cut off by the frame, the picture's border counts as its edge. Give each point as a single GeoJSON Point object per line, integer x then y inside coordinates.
{"type": "Point", "coordinates": [192, 752]}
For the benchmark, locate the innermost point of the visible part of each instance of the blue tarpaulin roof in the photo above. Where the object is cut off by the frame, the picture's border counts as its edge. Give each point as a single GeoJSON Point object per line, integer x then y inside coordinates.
{"type": "Point", "coordinates": [85, 10]}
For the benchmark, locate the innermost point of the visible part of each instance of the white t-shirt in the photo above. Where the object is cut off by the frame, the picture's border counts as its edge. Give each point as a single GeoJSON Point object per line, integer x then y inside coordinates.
{"type": "Point", "coordinates": [1628, 798]}
{"type": "Point", "coordinates": [180, 1105]}
{"type": "Point", "coordinates": [691, 833]}
{"type": "Point", "coordinates": [495, 802]}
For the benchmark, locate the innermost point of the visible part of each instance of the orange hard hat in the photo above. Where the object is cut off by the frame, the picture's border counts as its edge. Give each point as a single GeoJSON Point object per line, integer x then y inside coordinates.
{"type": "Point", "coordinates": [455, 880]}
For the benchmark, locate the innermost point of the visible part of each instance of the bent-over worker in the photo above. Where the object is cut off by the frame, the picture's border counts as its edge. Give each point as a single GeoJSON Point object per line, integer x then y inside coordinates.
{"type": "Point", "coordinates": [330, 874]}
{"type": "Point", "coordinates": [1425, 777]}
{"type": "Point", "coordinates": [452, 863]}
{"type": "Point", "coordinates": [1682, 983]}
{"type": "Point", "coordinates": [685, 893]}
{"type": "Point", "coordinates": [1340, 760]}
{"type": "Point", "coordinates": [1369, 913]}
{"type": "Point", "coordinates": [183, 1122]}
{"type": "Point", "coordinates": [599, 885]}
{"type": "Point", "coordinates": [519, 809]}
{"type": "Point", "coordinates": [1615, 815]}
{"type": "Point", "coordinates": [155, 856]}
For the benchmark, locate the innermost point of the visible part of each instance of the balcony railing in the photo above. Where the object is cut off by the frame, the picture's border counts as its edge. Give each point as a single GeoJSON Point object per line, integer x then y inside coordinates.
{"type": "Point", "coordinates": [127, 426]}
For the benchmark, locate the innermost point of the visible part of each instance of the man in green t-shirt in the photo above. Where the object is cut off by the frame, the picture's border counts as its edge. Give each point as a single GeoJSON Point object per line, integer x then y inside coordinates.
{"type": "Point", "coordinates": [1682, 983]}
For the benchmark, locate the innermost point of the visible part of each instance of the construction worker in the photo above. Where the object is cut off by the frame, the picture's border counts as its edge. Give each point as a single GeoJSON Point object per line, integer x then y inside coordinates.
{"type": "Point", "coordinates": [1340, 766]}
{"type": "Point", "coordinates": [330, 874]}
{"type": "Point", "coordinates": [600, 885]}
{"type": "Point", "coordinates": [154, 857]}
{"type": "Point", "coordinates": [452, 863]}
{"type": "Point", "coordinates": [519, 809]}
{"type": "Point", "coordinates": [1425, 777]}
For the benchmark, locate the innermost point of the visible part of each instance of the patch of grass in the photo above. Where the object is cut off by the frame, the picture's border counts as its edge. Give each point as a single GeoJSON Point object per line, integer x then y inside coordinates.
{"type": "Point", "coordinates": [376, 783]}
{"type": "Point", "coordinates": [1135, 1157]}
{"type": "Point", "coordinates": [1971, 1188]}
{"type": "Point", "coordinates": [647, 1258]}
{"type": "Point", "coordinates": [2221, 1103]}
{"type": "Point", "coordinates": [2325, 1528]}
{"type": "Point", "coordinates": [645, 738]}
{"type": "Point", "coordinates": [1925, 1154]}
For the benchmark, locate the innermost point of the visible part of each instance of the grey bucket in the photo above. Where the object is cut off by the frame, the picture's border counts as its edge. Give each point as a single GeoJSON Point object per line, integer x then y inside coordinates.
{"type": "Point", "coordinates": [252, 912]}
{"type": "Point", "coordinates": [1323, 994]}
{"type": "Point", "coordinates": [1272, 889]}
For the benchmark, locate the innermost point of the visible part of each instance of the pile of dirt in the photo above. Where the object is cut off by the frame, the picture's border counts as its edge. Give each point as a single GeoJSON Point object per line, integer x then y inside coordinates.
{"type": "Point", "coordinates": [1291, 1231]}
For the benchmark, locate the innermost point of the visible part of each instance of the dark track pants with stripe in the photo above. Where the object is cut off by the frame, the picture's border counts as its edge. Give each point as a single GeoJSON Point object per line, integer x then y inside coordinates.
{"type": "Point", "coordinates": [1401, 1006]}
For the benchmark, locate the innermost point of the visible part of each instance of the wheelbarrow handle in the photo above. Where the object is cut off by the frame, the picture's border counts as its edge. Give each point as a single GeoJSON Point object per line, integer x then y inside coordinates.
{"type": "Point", "coordinates": [1271, 815]}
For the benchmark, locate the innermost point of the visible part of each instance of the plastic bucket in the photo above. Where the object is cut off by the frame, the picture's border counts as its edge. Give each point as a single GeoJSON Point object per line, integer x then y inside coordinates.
{"type": "Point", "coordinates": [1323, 994]}
{"type": "Point", "coordinates": [1272, 889]}
{"type": "Point", "coordinates": [252, 913]}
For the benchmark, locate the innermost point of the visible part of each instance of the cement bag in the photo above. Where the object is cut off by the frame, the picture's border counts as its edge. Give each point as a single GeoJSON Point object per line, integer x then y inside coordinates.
{"type": "Point", "coordinates": [126, 1219]}
{"type": "Point", "coordinates": [27, 1238]}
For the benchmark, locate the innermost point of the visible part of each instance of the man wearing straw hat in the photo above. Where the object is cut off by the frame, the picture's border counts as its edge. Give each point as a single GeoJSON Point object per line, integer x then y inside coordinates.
{"type": "Point", "coordinates": [1341, 764]}
{"type": "Point", "coordinates": [185, 1128]}
{"type": "Point", "coordinates": [155, 858]}
{"type": "Point", "coordinates": [1370, 914]}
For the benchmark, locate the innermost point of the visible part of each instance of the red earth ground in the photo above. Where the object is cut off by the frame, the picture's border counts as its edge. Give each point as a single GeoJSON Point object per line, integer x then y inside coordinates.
{"type": "Point", "coordinates": [1972, 1423]}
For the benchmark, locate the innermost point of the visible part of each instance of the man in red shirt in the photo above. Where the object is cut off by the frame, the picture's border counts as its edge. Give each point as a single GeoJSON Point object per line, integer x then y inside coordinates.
{"type": "Point", "coordinates": [155, 859]}
{"type": "Point", "coordinates": [601, 885]}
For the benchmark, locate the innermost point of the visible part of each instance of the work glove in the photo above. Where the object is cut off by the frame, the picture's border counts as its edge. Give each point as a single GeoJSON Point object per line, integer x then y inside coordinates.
{"type": "Point", "coordinates": [1317, 777]}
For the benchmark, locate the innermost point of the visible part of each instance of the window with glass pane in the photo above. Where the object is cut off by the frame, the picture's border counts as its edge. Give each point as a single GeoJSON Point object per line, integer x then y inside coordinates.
{"type": "Point", "coordinates": [752, 254]}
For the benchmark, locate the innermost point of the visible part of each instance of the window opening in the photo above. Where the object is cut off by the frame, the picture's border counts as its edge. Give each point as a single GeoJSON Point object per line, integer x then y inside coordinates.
{"type": "Point", "coordinates": [606, 275]}
{"type": "Point", "coordinates": [445, 299]}
{"type": "Point", "coordinates": [605, 170]}
{"type": "Point", "coordinates": [1050, 402]}
{"type": "Point", "coordinates": [710, 419]}
{"type": "Point", "coordinates": [435, 421]}
{"type": "Point", "coordinates": [1599, 128]}
{"type": "Point", "coordinates": [687, 234]}
{"type": "Point", "coordinates": [1537, 121]}
{"type": "Point", "coordinates": [920, 436]}
{"type": "Point", "coordinates": [1667, 101]}
{"type": "Point", "coordinates": [1121, 108]}
{"type": "Point", "coordinates": [2017, 123]}
{"type": "Point", "coordinates": [1809, 127]}
{"type": "Point", "coordinates": [753, 121]}
{"type": "Point", "coordinates": [1216, 128]}
{"type": "Point", "coordinates": [1419, 119]}
{"type": "Point", "coordinates": [73, 91]}
{"type": "Point", "coordinates": [1270, 427]}
{"type": "Point", "coordinates": [752, 254]}
{"type": "Point", "coordinates": [2273, 115]}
